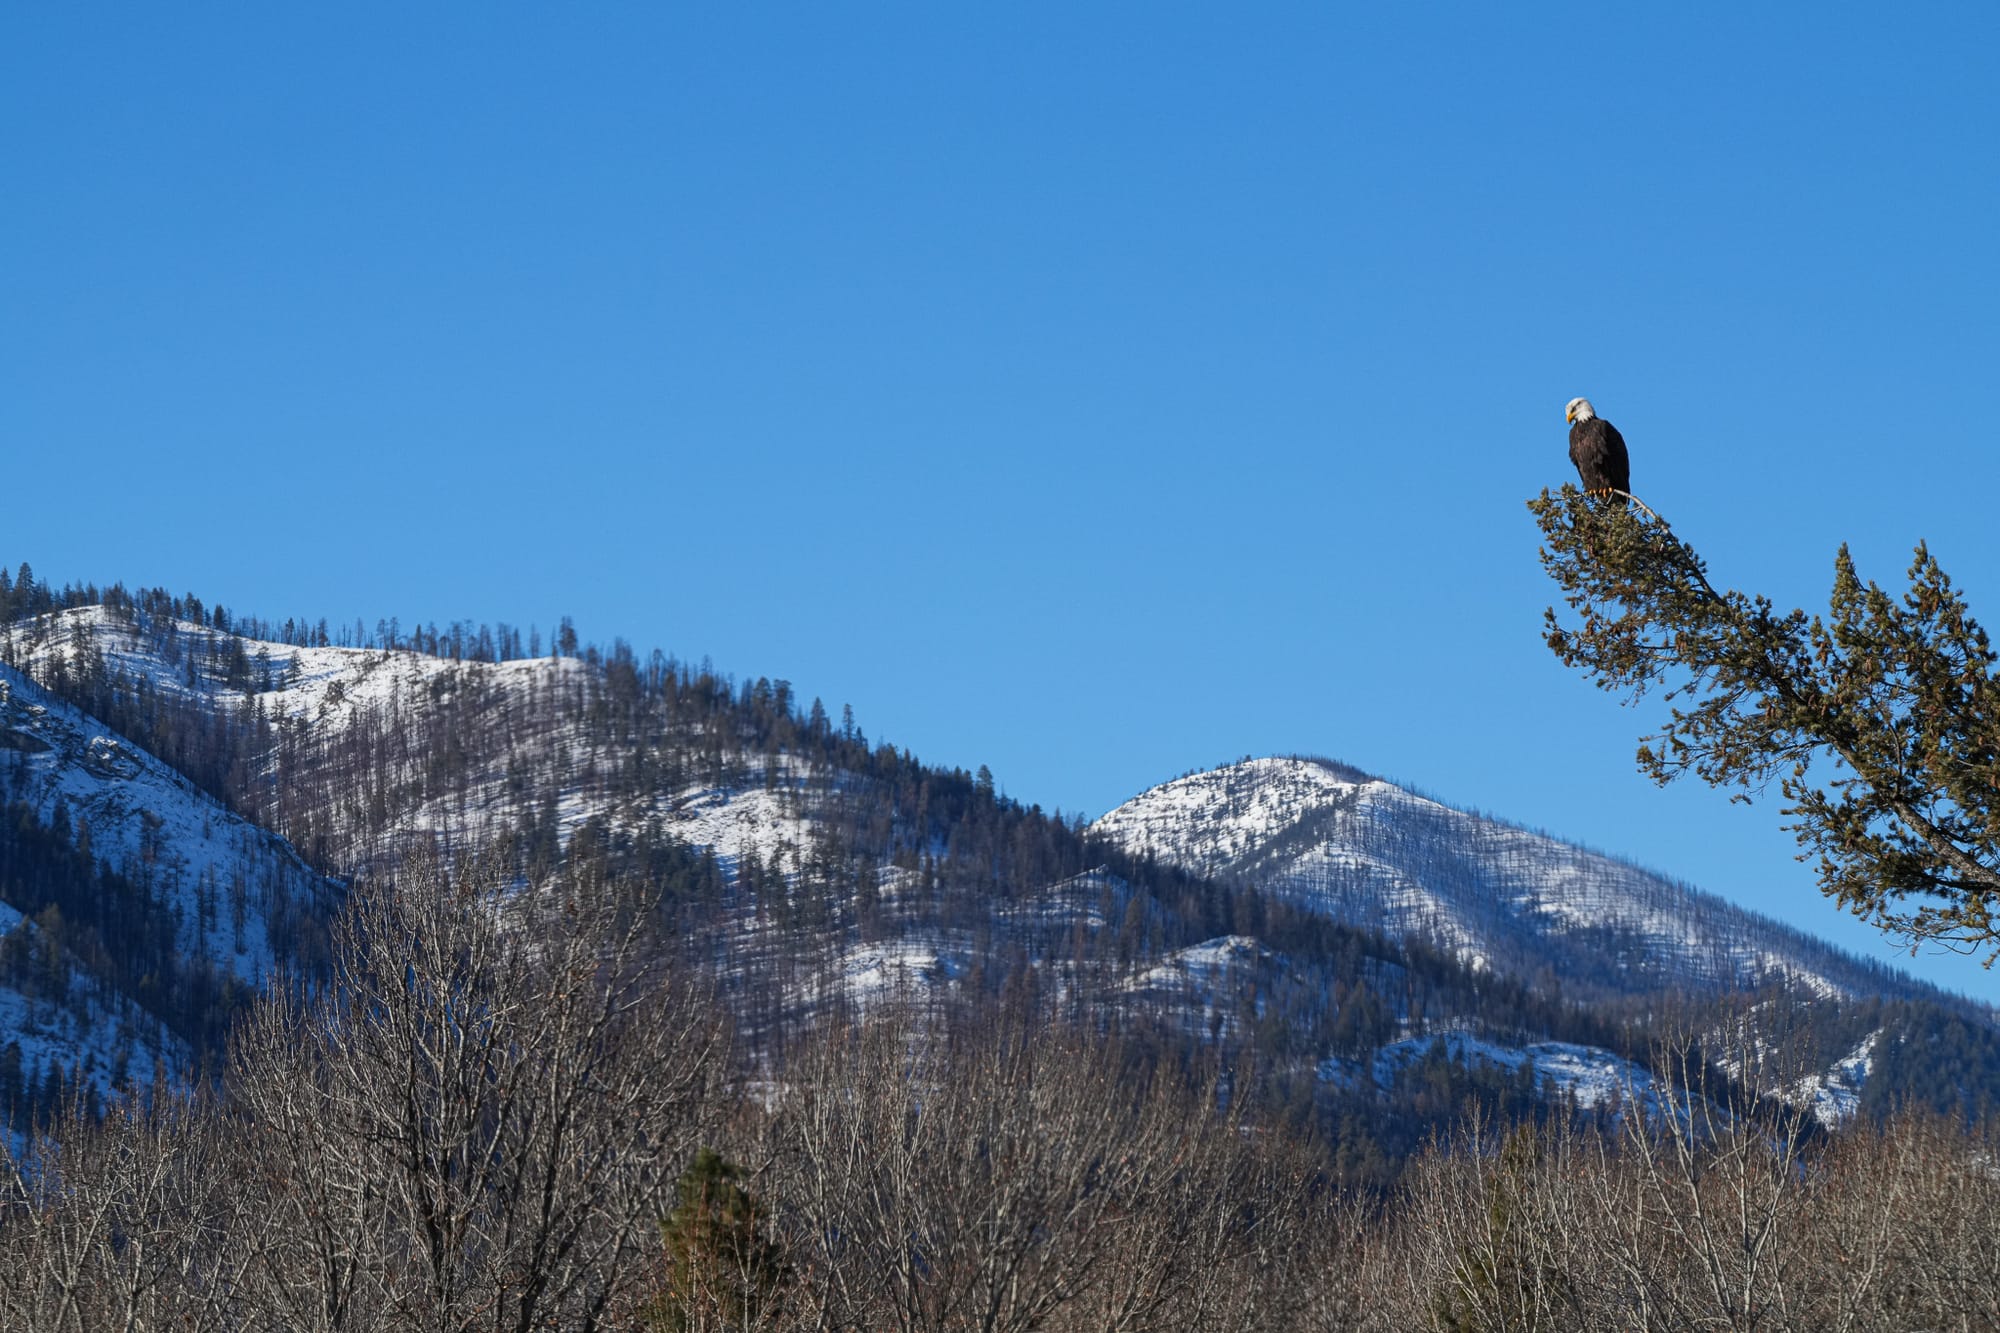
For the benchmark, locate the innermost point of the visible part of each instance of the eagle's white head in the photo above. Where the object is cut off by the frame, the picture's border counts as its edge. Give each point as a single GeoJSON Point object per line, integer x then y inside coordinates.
{"type": "Point", "coordinates": [1579, 409]}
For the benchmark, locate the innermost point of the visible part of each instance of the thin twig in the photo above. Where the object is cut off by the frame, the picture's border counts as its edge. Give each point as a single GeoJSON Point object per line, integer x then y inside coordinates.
{"type": "Point", "coordinates": [1612, 490]}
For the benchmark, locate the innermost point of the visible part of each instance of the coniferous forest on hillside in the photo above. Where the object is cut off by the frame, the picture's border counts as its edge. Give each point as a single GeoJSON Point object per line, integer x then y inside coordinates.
{"type": "Point", "coordinates": [454, 978]}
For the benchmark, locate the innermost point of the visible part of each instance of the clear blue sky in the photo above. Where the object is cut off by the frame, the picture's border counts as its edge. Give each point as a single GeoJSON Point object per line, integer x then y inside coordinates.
{"type": "Point", "coordinates": [1094, 392]}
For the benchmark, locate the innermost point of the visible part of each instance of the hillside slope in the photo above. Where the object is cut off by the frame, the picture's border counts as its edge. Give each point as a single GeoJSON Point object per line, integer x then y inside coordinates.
{"type": "Point", "coordinates": [1293, 909]}
{"type": "Point", "coordinates": [1372, 854]}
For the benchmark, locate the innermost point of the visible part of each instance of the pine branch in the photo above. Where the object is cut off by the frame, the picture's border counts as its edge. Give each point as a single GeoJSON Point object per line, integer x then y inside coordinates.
{"type": "Point", "coordinates": [1902, 696]}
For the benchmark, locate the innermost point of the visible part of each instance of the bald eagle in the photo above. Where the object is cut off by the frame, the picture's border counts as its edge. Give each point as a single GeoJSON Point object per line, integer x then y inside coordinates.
{"type": "Point", "coordinates": [1598, 450]}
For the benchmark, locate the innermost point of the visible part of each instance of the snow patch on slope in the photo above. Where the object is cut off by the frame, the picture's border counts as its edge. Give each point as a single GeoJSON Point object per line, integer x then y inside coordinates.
{"type": "Point", "coordinates": [1835, 1095]}
{"type": "Point", "coordinates": [147, 822]}
{"type": "Point", "coordinates": [1203, 965]}
{"type": "Point", "coordinates": [1594, 1077]}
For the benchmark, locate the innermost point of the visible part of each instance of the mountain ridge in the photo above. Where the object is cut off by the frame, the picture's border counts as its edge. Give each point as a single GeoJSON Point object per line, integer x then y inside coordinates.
{"type": "Point", "coordinates": [1297, 907]}
{"type": "Point", "coordinates": [1376, 854]}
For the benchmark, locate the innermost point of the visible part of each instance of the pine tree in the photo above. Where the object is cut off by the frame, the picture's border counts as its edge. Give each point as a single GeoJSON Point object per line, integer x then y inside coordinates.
{"type": "Point", "coordinates": [1879, 722]}
{"type": "Point", "coordinates": [723, 1269]}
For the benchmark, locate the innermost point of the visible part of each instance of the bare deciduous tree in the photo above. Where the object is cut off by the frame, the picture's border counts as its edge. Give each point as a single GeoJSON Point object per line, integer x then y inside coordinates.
{"type": "Point", "coordinates": [1016, 1180]}
{"type": "Point", "coordinates": [480, 1124]}
{"type": "Point", "coordinates": [126, 1223]}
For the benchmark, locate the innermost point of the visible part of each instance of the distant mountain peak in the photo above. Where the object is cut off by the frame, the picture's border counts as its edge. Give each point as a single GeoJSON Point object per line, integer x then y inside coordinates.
{"type": "Point", "coordinates": [1373, 854]}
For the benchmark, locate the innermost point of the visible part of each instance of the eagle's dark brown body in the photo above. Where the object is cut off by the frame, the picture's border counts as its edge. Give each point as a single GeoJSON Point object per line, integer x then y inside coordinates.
{"type": "Point", "coordinates": [1598, 451]}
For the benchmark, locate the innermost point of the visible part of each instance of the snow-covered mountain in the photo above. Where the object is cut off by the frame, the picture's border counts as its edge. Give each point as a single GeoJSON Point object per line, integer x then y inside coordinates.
{"type": "Point", "coordinates": [469, 748]}
{"type": "Point", "coordinates": [1499, 896]}
{"type": "Point", "coordinates": [825, 872]}
{"type": "Point", "coordinates": [473, 748]}
{"type": "Point", "coordinates": [156, 900]}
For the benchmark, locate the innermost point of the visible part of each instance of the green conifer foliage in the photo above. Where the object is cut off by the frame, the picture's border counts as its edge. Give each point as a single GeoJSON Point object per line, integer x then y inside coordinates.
{"type": "Point", "coordinates": [1506, 1275]}
{"type": "Point", "coordinates": [1879, 722]}
{"type": "Point", "coordinates": [723, 1270]}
